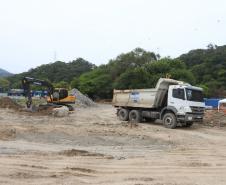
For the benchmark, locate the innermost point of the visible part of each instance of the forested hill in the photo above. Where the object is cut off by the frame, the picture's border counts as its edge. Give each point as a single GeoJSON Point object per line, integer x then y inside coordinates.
{"type": "Point", "coordinates": [208, 67]}
{"type": "Point", "coordinates": [137, 69]}
{"type": "Point", "coordinates": [142, 69]}
{"type": "Point", "coordinates": [4, 73]}
{"type": "Point", "coordinates": [60, 73]}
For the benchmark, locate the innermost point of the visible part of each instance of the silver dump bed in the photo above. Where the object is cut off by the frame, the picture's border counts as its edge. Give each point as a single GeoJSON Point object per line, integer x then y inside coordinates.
{"type": "Point", "coordinates": [144, 98]}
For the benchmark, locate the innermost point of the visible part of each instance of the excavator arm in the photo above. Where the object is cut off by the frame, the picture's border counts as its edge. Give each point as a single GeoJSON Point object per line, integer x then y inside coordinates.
{"type": "Point", "coordinates": [26, 85]}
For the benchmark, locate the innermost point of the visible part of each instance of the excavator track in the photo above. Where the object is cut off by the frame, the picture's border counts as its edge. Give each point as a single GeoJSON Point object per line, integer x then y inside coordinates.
{"type": "Point", "coordinates": [56, 105]}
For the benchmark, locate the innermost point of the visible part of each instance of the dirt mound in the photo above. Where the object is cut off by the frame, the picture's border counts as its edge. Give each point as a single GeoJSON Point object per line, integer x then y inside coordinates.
{"type": "Point", "coordinates": [7, 102]}
{"type": "Point", "coordinates": [82, 100]}
{"type": "Point", "coordinates": [6, 134]}
{"type": "Point", "coordinates": [74, 152]}
{"type": "Point", "coordinates": [214, 118]}
{"type": "Point", "coordinates": [41, 110]}
{"type": "Point", "coordinates": [83, 170]}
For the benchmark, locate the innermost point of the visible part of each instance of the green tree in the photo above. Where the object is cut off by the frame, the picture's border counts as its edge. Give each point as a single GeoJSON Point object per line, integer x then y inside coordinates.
{"type": "Point", "coordinates": [132, 79]}
{"type": "Point", "coordinates": [96, 84]}
{"type": "Point", "coordinates": [208, 67]}
{"type": "Point", "coordinates": [136, 58]}
{"type": "Point", "coordinates": [75, 82]}
{"type": "Point", "coordinates": [62, 84]}
{"type": "Point", "coordinates": [4, 84]}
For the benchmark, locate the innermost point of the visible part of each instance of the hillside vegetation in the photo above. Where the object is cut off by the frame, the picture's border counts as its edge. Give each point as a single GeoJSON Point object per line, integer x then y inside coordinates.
{"type": "Point", "coordinates": [137, 69]}
{"type": "Point", "coordinates": [208, 67]}
{"type": "Point", "coordinates": [59, 73]}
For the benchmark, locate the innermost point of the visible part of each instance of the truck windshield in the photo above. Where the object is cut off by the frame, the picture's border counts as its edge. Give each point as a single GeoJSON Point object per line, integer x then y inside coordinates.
{"type": "Point", "coordinates": [194, 95]}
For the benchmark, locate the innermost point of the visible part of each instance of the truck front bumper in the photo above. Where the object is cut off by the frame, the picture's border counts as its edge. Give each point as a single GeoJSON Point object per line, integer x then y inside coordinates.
{"type": "Point", "coordinates": [189, 117]}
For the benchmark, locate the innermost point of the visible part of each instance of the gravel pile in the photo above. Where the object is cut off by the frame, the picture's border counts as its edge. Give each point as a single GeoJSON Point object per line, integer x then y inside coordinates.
{"type": "Point", "coordinates": [82, 100]}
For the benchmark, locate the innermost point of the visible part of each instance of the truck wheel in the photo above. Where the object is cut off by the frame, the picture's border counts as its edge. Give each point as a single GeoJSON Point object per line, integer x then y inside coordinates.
{"type": "Point", "coordinates": [123, 114]}
{"type": "Point", "coordinates": [135, 116]}
{"type": "Point", "coordinates": [169, 120]}
{"type": "Point", "coordinates": [189, 124]}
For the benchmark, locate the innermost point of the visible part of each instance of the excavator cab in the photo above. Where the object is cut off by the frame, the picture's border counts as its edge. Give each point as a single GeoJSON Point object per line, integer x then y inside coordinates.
{"type": "Point", "coordinates": [61, 95]}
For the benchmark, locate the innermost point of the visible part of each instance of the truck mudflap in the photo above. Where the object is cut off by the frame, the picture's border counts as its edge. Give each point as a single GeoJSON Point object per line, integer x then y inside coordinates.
{"type": "Point", "coordinates": [189, 117]}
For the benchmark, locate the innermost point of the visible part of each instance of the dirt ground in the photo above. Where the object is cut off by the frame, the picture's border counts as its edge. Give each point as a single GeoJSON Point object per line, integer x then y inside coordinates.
{"type": "Point", "coordinates": [92, 147]}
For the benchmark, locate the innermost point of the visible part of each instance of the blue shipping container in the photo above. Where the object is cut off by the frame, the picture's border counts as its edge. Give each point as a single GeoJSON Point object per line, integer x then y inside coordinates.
{"type": "Point", "coordinates": [213, 102]}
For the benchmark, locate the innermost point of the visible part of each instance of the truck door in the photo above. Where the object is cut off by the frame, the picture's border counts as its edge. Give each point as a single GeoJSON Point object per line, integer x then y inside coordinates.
{"type": "Point", "coordinates": [176, 98]}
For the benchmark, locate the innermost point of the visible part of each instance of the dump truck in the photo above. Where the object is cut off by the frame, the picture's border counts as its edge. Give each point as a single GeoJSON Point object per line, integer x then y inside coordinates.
{"type": "Point", "coordinates": [174, 102]}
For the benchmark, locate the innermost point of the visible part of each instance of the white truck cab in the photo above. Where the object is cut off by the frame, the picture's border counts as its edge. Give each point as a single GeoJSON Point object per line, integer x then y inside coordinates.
{"type": "Point", "coordinates": [187, 101]}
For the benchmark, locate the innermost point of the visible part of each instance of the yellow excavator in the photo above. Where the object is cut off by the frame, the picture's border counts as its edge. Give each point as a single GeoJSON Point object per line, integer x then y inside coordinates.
{"type": "Point", "coordinates": [56, 97]}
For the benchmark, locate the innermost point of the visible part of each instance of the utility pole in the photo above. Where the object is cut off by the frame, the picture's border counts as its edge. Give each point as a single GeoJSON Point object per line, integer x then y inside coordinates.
{"type": "Point", "coordinates": [55, 56]}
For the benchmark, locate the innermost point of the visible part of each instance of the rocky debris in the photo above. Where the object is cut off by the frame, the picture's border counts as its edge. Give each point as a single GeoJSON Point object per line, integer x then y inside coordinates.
{"type": "Point", "coordinates": [82, 100]}
{"type": "Point", "coordinates": [6, 134]}
{"type": "Point", "coordinates": [214, 118]}
{"type": "Point", "coordinates": [60, 112]}
{"type": "Point", "coordinates": [7, 102]}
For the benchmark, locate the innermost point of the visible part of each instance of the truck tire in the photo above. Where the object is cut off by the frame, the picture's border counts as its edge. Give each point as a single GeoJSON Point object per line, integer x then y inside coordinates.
{"type": "Point", "coordinates": [188, 124]}
{"type": "Point", "coordinates": [123, 114]}
{"type": "Point", "coordinates": [169, 120]}
{"type": "Point", "coordinates": [135, 116]}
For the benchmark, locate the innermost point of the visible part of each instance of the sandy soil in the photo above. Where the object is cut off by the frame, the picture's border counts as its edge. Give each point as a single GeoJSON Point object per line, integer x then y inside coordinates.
{"type": "Point", "coordinates": [92, 147]}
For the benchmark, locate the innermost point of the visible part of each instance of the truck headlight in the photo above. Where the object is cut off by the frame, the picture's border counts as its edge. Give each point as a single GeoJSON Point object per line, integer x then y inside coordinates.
{"type": "Point", "coordinates": [185, 109]}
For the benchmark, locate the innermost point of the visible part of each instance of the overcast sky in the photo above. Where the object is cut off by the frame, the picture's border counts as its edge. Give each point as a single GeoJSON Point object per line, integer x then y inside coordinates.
{"type": "Point", "coordinates": [35, 32]}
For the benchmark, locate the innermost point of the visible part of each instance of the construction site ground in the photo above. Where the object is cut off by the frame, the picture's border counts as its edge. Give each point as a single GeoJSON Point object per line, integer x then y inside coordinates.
{"type": "Point", "coordinates": [91, 146]}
